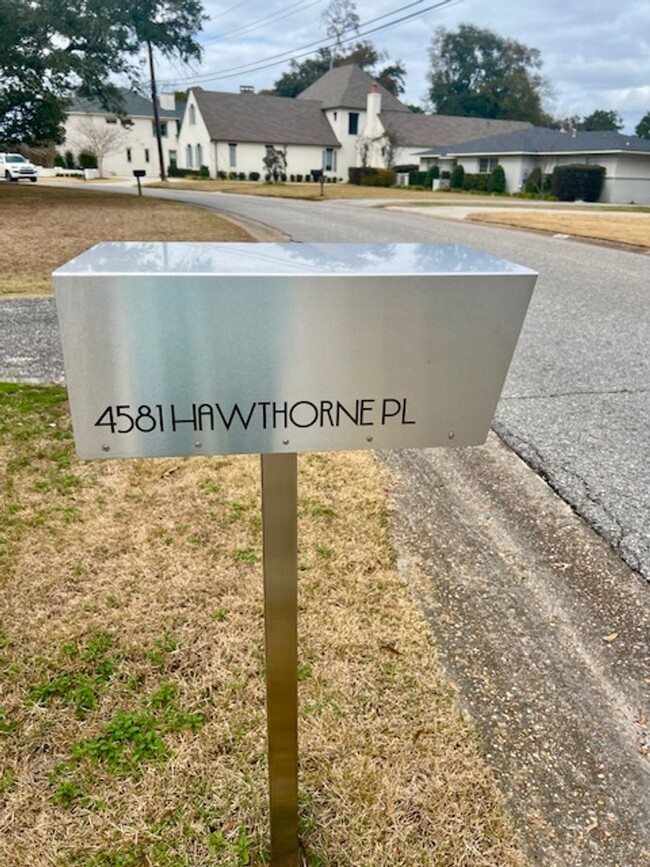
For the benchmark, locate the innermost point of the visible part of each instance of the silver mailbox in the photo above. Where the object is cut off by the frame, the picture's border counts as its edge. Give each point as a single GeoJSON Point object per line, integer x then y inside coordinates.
{"type": "Point", "coordinates": [207, 348]}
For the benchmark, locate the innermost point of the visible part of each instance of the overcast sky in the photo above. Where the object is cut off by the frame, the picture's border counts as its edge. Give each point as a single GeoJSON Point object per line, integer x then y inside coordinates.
{"type": "Point", "coordinates": [595, 53]}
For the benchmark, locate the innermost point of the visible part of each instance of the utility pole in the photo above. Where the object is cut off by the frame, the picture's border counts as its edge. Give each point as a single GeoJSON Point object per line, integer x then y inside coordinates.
{"type": "Point", "coordinates": [156, 114]}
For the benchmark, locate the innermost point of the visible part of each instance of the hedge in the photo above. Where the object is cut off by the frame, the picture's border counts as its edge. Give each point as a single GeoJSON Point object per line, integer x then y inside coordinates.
{"type": "Point", "coordinates": [578, 181]}
{"type": "Point", "coordinates": [368, 177]}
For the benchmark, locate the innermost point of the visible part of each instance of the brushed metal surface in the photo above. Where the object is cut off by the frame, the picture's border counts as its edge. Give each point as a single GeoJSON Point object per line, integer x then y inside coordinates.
{"type": "Point", "coordinates": [179, 349]}
{"type": "Point", "coordinates": [279, 518]}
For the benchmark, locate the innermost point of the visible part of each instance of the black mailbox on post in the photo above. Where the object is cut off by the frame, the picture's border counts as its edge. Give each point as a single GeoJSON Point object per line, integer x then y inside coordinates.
{"type": "Point", "coordinates": [137, 174]}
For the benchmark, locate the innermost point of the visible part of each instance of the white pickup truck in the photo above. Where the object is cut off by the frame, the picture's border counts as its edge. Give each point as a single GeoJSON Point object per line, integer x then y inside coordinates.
{"type": "Point", "coordinates": [13, 167]}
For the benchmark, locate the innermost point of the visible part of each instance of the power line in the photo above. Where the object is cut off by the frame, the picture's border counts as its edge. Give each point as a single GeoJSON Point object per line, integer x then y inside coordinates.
{"type": "Point", "coordinates": [278, 59]}
{"type": "Point", "coordinates": [268, 19]}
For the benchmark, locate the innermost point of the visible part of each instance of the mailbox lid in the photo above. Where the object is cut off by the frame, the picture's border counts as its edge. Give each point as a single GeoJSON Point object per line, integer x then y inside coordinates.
{"type": "Point", "coordinates": [285, 259]}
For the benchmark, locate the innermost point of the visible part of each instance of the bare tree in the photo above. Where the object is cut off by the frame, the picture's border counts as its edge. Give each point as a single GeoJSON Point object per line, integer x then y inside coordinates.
{"type": "Point", "coordinates": [341, 22]}
{"type": "Point", "coordinates": [99, 139]}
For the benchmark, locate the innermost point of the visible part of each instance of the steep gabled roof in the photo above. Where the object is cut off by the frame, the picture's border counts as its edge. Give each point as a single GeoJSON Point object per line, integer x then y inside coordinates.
{"type": "Point", "coordinates": [436, 130]}
{"type": "Point", "coordinates": [250, 117]}
{"type": "Point", "coordinates": [536, 140]}
{"type": "Point", "coordinates": [134, 106]}
{"type": "Point", "coordinates": [348, 87]}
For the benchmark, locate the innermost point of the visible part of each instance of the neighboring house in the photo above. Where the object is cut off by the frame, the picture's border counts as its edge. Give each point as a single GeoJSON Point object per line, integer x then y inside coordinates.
{"type": "Point", "coordinates": [231, 132]}
{"type": "Point", "coordinates": [120, 149]}
{"type": "Point", "coordinates": [626, 158]}
{"type": "Point", "coordinates": [344, 119]}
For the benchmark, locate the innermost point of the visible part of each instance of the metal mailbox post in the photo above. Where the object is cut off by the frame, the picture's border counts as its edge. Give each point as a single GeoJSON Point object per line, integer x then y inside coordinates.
{"type": "Point", "coordinates": [209, 349]}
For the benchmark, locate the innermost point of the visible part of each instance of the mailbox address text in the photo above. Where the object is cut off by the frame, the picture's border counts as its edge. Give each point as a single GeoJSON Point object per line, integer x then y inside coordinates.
{"type": "Point", "coordinates": [258, 415]}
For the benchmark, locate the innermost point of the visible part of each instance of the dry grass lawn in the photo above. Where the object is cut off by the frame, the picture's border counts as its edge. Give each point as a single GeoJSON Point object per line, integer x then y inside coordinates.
{"type": "Point", "coordinates": [615, 227]}
{"type": "Point", "coordinates": [132, 710]}
{"type": "Point", "coordinates": [43, 227]}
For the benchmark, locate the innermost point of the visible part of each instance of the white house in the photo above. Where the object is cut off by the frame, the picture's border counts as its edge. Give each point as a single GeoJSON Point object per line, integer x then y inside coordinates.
{"type": "Point", "coordinates": [232, 132]}
{"type": "Point", "coordinates": [626, 158]}
{"type": "Point", "coordinates": [120, 149]}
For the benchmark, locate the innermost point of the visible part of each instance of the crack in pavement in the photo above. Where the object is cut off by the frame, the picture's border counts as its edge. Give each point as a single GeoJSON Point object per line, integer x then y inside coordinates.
{"type": "Point", "coordinates": [587, 393]}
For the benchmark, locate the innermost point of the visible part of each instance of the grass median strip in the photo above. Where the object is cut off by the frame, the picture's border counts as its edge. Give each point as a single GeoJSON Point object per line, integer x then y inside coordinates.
{"type": "Point", "coordinates": [43, 227]}
{"type": "Point", "coordinates": [615, 227]}
{"type": "Point", "coordinates": [133, 715]}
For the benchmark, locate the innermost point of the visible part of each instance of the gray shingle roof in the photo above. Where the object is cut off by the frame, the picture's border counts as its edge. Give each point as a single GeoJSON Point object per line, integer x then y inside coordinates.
{"type": "Point", "coordinates": [542, 140]}
{"type": "Point", "coordinates": [134, 105]}
{"type": "Point", "coordinates": [348, 87]}
{"type": "Point", "coordinates": [436, 130]}
{"type": "Point", "coordinates": [250, 117]}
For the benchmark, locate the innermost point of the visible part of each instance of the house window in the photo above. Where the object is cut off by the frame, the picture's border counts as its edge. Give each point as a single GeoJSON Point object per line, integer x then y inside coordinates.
{"type": "Point", "coordinates": [146, 155]}
{"type": "Point", "coordinates": [232, 155]}
{"type": "Point", "coordinates": [353, 123]}
{"type": "Point", "coordinates": [336, 114]}
{"type": "Point", "coordinates": [163, 128]}
{"type": "Point", "coordinates": [129, 155]}
{"type": "Point", "coordinates": [111, 120]}
{"type": "Point", "coordinates": [173, 159]}
{"type": "Point", "coordinates": [192, 115]}
{"type": "Point", "coordinates": [487, 164]}
{"type": "Point", "coordinates": [188, 155]}
{"type": "Point", "coordinates": [199, 156]}
{"type": "Point", "coordinates": [329, 160]}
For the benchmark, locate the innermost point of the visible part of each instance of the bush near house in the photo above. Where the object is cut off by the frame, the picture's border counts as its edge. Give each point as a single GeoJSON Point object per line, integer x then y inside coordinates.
{"type": "Point", "coordinates": [457, 179]}
{"type": "Point", "coordinates": [87, 160]}
{"type": "Point", "coordinates": [475, 183]}
{"type": "Point", "coordinates": [369, 177]}
{"type": "Point", "coordinates": [578, 181]}
{"type": "Point", "coordinates": [417, 179]}
{"type": "Point", "coordinates": [497, 181]}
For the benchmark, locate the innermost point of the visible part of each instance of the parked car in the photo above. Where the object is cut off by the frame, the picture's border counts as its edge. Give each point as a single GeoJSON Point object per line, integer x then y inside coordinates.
{"type": "Point", "coordinates": [13, 167]}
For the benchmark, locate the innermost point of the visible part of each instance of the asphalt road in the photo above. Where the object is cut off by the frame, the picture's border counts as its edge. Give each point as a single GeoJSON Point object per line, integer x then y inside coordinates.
{"type": "Point", "coordinates": [576, 405]}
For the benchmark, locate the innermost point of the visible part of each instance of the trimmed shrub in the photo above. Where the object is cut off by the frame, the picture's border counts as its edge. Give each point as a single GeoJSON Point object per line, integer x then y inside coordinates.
{"type": "Point", "coordinates": [68, 156]}
{"type": "Point", "coordinates": [254, 176]}
{"type": "Point", "coordinates": [87, 160]}
{"type": "Point", "coordinates": [59, 162]}
{"type": "Point", "coordinates": [476, 183]}
{"type": "Point", "coordinates": [417, 178]}
{"type": "Point", "coordinates": [204, 172]}
{"type": "Point", "coordinates": [368, 177]}
{"type": "Point", "coordinates": [232, 176]}
{"type": "Point", "coordinates": [432, 175]}
{"type": "Point", "coordinates": [497, 182]}
{"type": "Point", "coordinates": [176, 172]}
{"type": "Point", "coordinates": [299, 178]}
{"type": "Point", "coordinates": [356, 174]}
{"type": "Point", "coordinates": [457, 179]}
{"type": "Point", "coordinates": [578, 181]}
